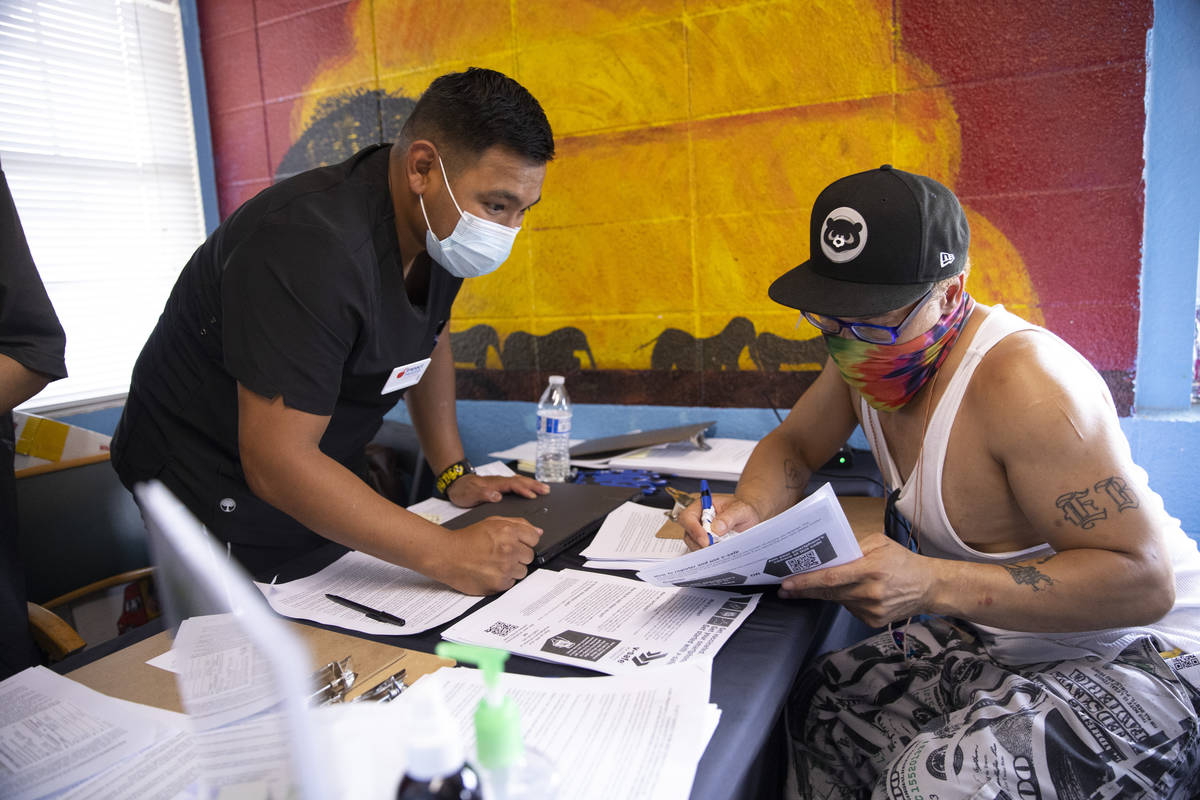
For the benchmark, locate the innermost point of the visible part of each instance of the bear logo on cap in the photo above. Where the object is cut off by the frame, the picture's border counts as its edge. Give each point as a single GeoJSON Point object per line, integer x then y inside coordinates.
{"type": "Point", "coordinates": [843, 235]}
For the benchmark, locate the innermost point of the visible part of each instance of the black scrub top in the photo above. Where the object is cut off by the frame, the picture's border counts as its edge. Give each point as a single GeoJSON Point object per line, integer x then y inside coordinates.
{"type": "Point", "coordinates": [31, 335]}
{"type": "Point", "coordinates": [298, 293]}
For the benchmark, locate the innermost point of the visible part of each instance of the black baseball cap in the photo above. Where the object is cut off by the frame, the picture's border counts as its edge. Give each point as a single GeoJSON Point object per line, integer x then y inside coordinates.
{"type": "Point", "coordinates": [878, 240]}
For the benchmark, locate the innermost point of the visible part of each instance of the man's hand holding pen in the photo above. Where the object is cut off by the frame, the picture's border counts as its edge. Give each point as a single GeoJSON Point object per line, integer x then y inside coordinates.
{"type": "Point", "coordinates": [730, 514]}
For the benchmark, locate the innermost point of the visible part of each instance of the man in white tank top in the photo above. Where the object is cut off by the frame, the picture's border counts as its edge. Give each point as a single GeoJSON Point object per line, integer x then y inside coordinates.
{"type": "Point", "coordinates": [1044, 614]}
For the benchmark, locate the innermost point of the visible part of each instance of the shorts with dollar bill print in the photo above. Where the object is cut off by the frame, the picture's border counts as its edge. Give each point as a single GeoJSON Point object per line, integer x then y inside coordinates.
{"type": "Point", "coordinates": [950, 722]}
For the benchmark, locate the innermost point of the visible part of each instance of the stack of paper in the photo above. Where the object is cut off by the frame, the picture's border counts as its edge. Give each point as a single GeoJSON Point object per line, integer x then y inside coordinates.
{"type": "Point", "coordinates": [605, 623]}
{"type": "Point", "coordinates": [628, 540]}
{"type": "Point", "coordinates": [630, 737]}
{"type": "Point", "coordinates": [724, 460]}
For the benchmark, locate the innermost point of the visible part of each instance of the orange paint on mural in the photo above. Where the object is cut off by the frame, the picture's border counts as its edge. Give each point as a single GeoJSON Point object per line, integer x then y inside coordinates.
{"type": "Point", "coordinates": [691, 144]}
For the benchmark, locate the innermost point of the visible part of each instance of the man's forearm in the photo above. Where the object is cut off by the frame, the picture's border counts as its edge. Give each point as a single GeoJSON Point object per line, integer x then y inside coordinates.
{"type": "Point", "coordinates": [431, 405]}
{"type": "Point", "coordinates": [1075, 590]}
{"type": "Point", "coordinates": [774, 477]}
{"type": "Point", "coordinates": [332, 501]}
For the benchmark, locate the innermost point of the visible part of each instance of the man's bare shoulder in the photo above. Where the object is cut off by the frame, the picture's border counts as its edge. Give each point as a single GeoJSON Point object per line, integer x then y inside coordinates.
{"type": "Point", "coordinates": [1033, 389]}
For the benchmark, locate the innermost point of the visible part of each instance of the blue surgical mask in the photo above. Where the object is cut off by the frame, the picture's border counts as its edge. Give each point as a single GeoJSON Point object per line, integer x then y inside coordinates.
{"type": "Point", "coordinates": [475, 247]}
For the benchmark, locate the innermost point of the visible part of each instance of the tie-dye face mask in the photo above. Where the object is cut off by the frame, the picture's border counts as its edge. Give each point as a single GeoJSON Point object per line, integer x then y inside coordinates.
{"type": "Point", "coordinates": [889, 375]}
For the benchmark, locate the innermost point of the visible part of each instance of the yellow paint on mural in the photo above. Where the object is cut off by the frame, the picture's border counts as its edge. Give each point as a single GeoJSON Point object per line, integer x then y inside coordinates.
{"type": "Point", "coordinates": [691, 144]}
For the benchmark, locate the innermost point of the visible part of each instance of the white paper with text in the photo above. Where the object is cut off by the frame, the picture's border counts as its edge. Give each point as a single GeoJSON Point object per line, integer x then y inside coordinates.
{"type": "Point", "coordinates": [813, 534]}
{"type": "Point", "coordinates": [604, 622]}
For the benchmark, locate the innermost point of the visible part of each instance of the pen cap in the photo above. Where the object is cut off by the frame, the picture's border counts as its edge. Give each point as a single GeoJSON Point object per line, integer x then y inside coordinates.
{"type": "Point", "coordinates": [498, 740]}
{"type": "Point", "coordinates": [433, 747]}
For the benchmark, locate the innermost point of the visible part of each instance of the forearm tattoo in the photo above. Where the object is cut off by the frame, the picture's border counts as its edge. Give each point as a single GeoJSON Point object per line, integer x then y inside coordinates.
{"type": "Point", "coordinates": [1080, 507]}
{"type": "Point", "coordinates": [1029, 574]}
{"type": "Point", "coordinates": [794, 476]}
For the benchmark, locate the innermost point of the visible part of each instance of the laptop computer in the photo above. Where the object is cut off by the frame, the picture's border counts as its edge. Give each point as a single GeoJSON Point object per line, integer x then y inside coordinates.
{"type": "Point", "coordinates": [195, 577]}
{"type": "Point", "coordinates": [571, 512]}
{"type": "Point", "coordinates": [609, 446]}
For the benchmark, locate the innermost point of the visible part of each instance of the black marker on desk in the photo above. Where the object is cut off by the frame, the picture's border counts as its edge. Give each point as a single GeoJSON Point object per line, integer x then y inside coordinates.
{"type": "Point", "coordinates": [371, 613]}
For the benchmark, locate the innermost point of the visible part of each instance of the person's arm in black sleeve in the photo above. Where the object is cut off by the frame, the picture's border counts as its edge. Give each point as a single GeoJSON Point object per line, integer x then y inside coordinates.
{"type": "Point", "coordinates": [31, 339]}
{"type": "Point", "coordinates": [287, 332]}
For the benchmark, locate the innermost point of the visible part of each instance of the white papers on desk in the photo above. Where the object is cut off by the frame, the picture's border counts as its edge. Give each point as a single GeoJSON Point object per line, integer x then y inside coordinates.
{"type": "Point", "coordinates": [526, 451]}
{"type": "Point", "coordinates": [627, 539]}
{"type": "Point", "coordinates": [603, 622]}
{"type": "Point", "coordinates": [629, 736]}
{"type": "Point", "coordinates": [222, 675]}
{"type": "Point", "coordinates": [724, 460]}
{"type": "Point", "coordinates": [55, 732]}
{"type": "Point", "coordinates": [813, 534]}
{"type": "Point", "coordinates": [421, 602]}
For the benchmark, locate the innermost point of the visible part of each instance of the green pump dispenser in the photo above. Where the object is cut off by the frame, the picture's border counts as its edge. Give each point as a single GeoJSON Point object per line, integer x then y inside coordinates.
{"type": "Point", "coordinates": [497, 720]}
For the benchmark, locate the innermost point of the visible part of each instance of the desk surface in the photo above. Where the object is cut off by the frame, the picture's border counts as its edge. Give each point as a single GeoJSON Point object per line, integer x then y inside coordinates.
{"type": "Point", "coordinates": [751, 677]}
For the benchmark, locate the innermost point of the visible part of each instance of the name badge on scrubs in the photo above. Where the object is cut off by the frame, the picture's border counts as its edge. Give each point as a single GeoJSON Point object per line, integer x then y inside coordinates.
{"type": "Point", "coordinates": [403, 377]}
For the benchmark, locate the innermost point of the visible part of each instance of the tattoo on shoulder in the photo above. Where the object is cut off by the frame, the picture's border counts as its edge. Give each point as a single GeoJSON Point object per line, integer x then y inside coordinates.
{"type": "Point", "coordinates": [1080, 507]}
{"type": "Point", "coordinates": [793, 474]}
{"type": "Point", "coordinates": [1023, 573]}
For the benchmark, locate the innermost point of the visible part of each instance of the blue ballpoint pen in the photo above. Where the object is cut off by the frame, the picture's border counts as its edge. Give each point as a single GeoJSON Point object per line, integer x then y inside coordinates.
{"type": "Point", "coordinates": [707, 514]}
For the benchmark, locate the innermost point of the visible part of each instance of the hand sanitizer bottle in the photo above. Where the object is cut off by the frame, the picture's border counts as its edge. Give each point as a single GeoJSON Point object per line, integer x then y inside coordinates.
{"type": "Point", "coordinates": [435, 767]}
{"type": "Point", "coordinates": [510, 770]}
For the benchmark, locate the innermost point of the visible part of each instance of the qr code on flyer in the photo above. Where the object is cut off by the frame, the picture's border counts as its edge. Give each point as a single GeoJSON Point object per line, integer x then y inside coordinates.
{"type": "Point", "coordinates": [501, 629]}
{"type": "Point", "coordinates": [805, 561]}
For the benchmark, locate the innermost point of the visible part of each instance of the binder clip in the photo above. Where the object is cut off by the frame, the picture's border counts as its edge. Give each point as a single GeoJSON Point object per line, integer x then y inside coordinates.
{"type": "Point", "coordinates": [331, 682]}
{"type": "Point", "coordinates": [385, 691]}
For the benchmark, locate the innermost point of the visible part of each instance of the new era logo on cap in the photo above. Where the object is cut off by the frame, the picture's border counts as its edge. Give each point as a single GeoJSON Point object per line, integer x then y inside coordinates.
{"type": "Point", "coordinates": [946, 259]}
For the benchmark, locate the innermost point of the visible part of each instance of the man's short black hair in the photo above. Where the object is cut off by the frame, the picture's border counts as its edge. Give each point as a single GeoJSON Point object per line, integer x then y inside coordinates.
{"type": "Point", "coordinates": [477, 109]}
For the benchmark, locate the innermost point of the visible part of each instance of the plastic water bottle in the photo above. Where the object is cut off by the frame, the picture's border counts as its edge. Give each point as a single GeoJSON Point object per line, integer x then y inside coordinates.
{"type": "Point", "coordinates": [553, 433]}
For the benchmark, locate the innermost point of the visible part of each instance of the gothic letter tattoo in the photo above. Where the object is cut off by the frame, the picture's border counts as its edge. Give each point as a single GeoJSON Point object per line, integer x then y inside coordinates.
{"type": "Point", "coordinates": [1030, 575]}
{"type": "Point", "coordinates": [1079, 510]}
{"type": "Point", "coordinates": [1118, 490]}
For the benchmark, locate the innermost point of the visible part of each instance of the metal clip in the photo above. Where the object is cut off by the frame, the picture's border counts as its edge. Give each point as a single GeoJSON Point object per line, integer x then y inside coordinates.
{"type": "Point", "coordinates": [331, 682]}
{"type": "Point", "coordinates": [385, 691]}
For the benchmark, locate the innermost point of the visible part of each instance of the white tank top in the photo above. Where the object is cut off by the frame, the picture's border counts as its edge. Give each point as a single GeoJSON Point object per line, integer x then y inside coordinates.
{"type": "Point", "coordinates": [1180, 628]}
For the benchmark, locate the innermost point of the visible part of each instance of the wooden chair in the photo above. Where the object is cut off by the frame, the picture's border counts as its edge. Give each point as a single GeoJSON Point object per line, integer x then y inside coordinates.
{"type": "Point", "coordinates": [51, 623]}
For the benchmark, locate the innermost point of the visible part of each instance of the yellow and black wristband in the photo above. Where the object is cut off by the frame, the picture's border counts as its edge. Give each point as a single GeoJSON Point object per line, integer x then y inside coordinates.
{"type": "Point", "coordinates": [452, 473]}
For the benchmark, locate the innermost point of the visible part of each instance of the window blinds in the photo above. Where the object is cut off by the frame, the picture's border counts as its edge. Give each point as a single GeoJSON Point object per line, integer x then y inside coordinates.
{"type": "Point", "coordinates": [97, 141]}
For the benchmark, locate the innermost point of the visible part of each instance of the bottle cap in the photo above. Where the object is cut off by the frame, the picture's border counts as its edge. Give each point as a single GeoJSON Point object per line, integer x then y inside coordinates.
{"type": "Point", "coordinates": [433, 747]}
{"type": "Point", "coordinates": [497, 721]}
{"type": "Point", "coordinates": [557, 379]}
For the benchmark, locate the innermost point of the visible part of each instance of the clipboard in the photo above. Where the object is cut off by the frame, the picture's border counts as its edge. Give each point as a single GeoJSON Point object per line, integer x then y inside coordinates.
{"type": "Point", "coordinates": [615, 445]}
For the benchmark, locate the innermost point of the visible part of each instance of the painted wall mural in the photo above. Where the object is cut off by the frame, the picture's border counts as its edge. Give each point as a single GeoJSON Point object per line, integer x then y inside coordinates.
{"type": "Point", "coordinates": [692, 137]}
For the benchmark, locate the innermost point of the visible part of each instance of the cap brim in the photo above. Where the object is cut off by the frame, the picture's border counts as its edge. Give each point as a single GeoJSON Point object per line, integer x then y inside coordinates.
{"type": "Point", "coordinates": [802, 288]}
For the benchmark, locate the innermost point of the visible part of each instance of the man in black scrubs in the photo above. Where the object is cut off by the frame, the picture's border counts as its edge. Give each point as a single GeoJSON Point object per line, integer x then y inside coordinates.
{"type": "Point", "coordinates": [310, 311]}
{"type": "Point", "coordinates": [31, 355]}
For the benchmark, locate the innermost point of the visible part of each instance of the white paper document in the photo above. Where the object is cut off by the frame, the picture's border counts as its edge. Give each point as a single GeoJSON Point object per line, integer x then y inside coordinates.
{"type": "Point", "coordinates": [55, 732]}
{"type": "Point", "coordinates": [421, 602]}
{"type": "Point", "coordinates": [628, 737]}
{"type": "Point", "coordinates": [813, 534]}
{"type": "Point", "coordinates": [724, 460]}
{"type": "Point", "coordinates": [526, 451]}
{"type": "Point", "coordinates": [627, 539]}
{"type": "Point", "coordinates": [222, 675]}
{"type": "Point", "coordinates": [604, 622]}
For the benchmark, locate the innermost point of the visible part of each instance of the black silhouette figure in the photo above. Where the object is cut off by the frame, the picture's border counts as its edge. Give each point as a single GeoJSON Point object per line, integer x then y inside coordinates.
{"type": "Point", "coordinates": [774, 351]}
{"type": "Point", "coordinates": [471, 346]}
{"type": "Point", "coordinates": [343, 125]}
{"type": "Point", "coordinates": [678, 349]}
{"type": "Point", "coordinates": [554, 351]}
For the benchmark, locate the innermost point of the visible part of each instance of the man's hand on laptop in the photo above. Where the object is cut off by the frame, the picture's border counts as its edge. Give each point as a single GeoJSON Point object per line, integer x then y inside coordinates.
{"type": "Point", "coordinates": [489, 556]}
{"type": "Point", "coordinates": [471, 490]}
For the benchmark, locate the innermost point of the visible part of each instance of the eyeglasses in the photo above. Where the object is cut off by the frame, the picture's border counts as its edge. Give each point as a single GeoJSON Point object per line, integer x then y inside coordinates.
{"type": "Point", "coordinates": [866, 331]}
